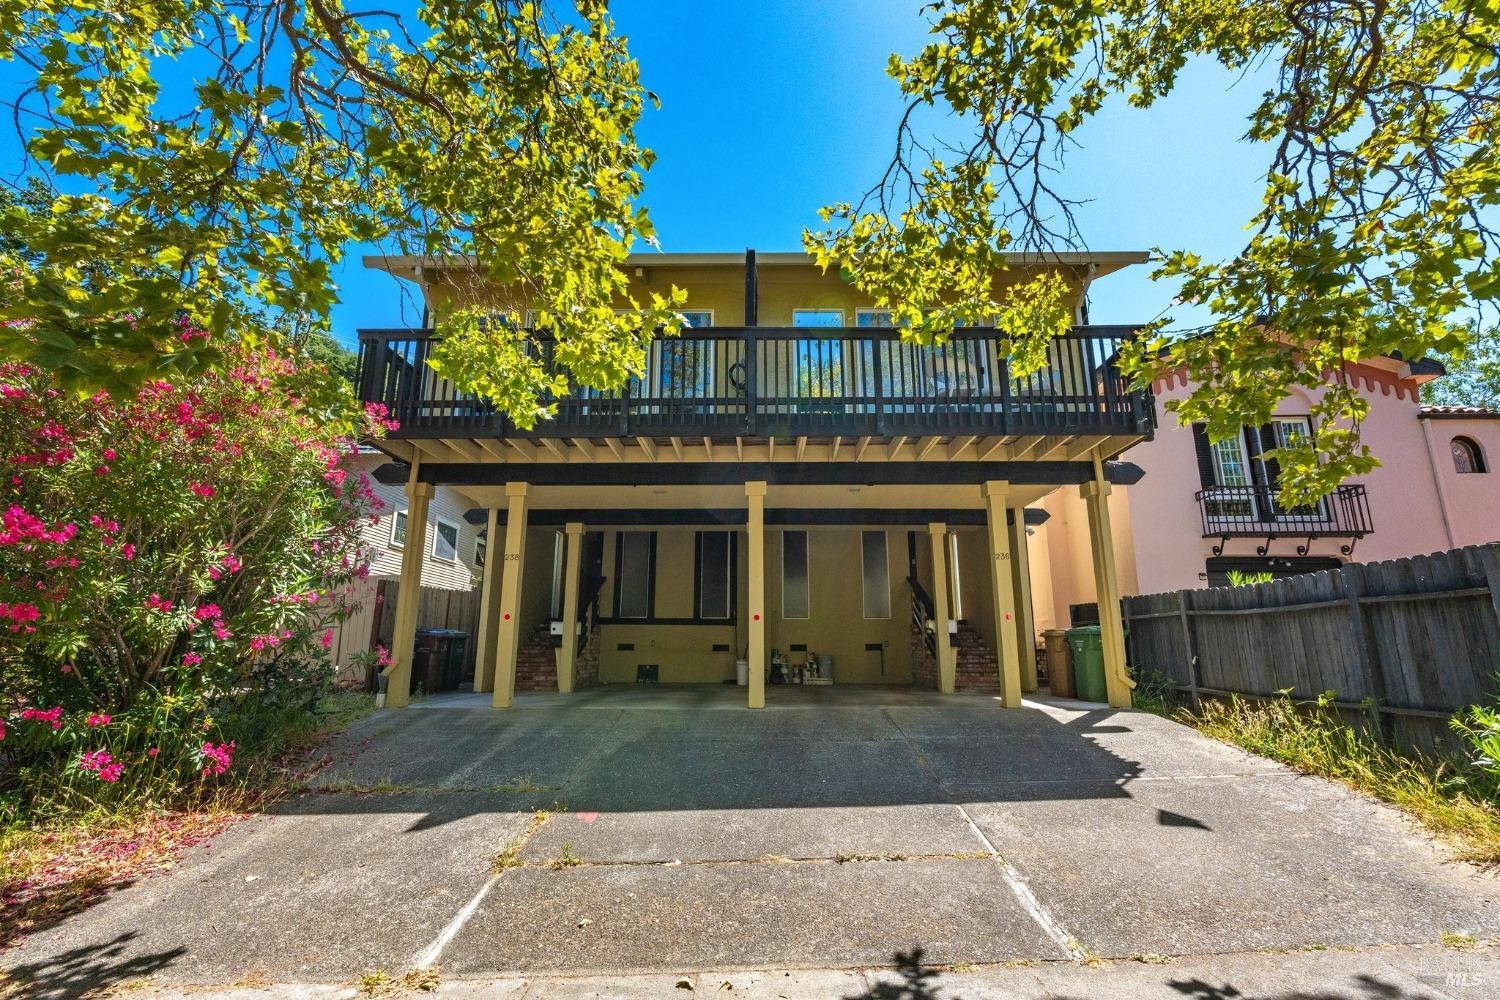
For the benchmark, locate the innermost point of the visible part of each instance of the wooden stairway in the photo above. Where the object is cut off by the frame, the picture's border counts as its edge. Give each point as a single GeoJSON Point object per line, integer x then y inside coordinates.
{"type": "Point", "coordinates": [976, 669]}
{"type": "Point", "coordinates": [536, 661]}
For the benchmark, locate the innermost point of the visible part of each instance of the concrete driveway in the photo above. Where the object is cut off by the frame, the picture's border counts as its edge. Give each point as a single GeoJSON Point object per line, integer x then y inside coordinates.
{"type": "Point", "coordinates": [836, 829]}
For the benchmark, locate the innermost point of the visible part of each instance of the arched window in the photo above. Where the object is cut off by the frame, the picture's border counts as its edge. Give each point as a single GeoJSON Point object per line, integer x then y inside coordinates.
{"type": "Point", "coordinates": [1466, 455]}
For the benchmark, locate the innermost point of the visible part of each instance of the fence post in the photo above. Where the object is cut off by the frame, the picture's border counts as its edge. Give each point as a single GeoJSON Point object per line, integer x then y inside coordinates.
{"type": "Point", "coordinates": [1187, 648]}
{"type": "Point", "coordinates": [1489, 559]}
{"type": "Point", "coordinates": [1352, 577]}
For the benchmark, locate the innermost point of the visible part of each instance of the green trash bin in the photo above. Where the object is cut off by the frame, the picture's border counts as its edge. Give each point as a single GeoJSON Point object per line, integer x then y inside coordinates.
{"type": "Point", "coordinates": [1088, 663]}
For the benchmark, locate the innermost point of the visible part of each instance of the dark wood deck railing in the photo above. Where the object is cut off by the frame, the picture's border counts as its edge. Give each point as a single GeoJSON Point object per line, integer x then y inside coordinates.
{"type": "Point", "coordinates": [784, 381]}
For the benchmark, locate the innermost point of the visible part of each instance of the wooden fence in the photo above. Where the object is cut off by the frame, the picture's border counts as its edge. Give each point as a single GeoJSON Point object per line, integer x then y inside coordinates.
{"type": "Point", "coordinates": [374, 621]}
{"type": "Point", "coordinates": [1402, 644]}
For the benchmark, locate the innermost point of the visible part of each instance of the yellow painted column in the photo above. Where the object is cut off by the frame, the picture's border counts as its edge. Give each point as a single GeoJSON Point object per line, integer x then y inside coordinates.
{"type": "Point", "coordinates": [1020, 576]}
{"type": "Point", "coordinates": [995, 494]}
{"type": "Point", "coordinates": [947, 656]}
{"type": "Point", "coordinates": [567, 653]}
{"type": "Point", "coordinates": [1117, 681]}
{"type": "Point", "coordinates": [489, 607]}
{"type": "Point", "coordinates": [508, 640]}
{"type": "Point", "coordinates": [755, 538]}
{"type": "Point", "coordinates": [409, 595]}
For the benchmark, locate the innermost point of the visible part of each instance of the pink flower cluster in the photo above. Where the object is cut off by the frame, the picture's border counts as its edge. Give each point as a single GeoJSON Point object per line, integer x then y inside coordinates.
{"type": "Point", "coordinates": [98, 719]}
{"type": "Point", "coordinates": [51, 716]}
{"type": "Point", "coordinates": [217, 758]}
{"type": "Point", "coordinates": [17, 526]}
{"type": "Point", "coordinates": [104, 766]}
{"type": "Point", "coordinates": [201, 489]}
{"type": "Point", "coordinates": [269, 641]}
{"type": "Point", "coordinates": [156, 603]}
{"type": "Point", "coordinates": [21, 614]}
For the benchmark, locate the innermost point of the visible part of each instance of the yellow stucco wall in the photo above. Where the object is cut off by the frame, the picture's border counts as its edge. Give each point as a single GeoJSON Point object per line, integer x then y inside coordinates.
{"type": "Point", "coordinates": [836, 624]}
{"type": "Point", "coordinates": [721, 288]}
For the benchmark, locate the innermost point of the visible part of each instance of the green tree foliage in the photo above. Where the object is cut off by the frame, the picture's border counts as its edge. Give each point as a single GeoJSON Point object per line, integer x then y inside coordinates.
{"type": "Point", "coordinates": [209, 162]}
{"type": "Point", "coordinates": [1374, 235]}
{"type": "Point", "coordinates": [1473, 377]}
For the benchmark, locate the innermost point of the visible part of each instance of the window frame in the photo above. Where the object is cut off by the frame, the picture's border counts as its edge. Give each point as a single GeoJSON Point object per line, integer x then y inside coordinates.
{"type": "Point", "coordinates": [864, 574]}
{"type": "Point", "coordinates": [619, 575]}
{"type": "Point", "coordinates": [399, 518]}
{"type": "Point", "coordinates": [1477, 465]}
{"type": "Point", "coordinates": [806, 573]}
{"type": "Point", "coordinates": [437, 535]}
{"type": "Point", "coordinates": [731, 569]}
{"type": "Point", "coordinates": [836, 310]}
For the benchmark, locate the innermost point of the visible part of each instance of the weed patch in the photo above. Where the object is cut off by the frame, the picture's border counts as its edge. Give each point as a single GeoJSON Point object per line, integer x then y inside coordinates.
{"type": "Point", "coordinates": [1456, 801]}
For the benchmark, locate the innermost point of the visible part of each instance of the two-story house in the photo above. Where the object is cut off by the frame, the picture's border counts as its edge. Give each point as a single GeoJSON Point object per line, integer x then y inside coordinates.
{"type": "Point", "coordinates": [788, 493]}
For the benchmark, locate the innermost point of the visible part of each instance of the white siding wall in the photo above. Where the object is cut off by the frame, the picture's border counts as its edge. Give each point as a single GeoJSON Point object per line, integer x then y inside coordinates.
{"type": "Point", "coordinates": [459, 574]}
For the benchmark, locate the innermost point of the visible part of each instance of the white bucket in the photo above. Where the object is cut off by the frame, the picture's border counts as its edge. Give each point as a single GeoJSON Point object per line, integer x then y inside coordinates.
{"type": "Point", "coordinates": [742, 670]}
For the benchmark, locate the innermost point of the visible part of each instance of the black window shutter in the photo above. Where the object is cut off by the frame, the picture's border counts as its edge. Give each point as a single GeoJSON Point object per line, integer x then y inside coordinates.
{"type": "Point", "coordinates": [1267, 443]}
{"type": "Point", "coordinates": [1206, 477]}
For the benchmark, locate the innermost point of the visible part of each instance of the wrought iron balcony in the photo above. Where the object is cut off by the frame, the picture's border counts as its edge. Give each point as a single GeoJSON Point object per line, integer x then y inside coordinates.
{"type": "Point", "coordinates": [1256, 511]}
{"type": "Point", "coordinates": [786, 382]}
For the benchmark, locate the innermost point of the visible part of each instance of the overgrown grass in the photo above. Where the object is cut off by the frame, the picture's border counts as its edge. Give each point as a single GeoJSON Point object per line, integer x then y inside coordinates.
{"type": "Point", "coordinates": [1456, 800]}
{"type": "Point", "coordinates": [62, 857]}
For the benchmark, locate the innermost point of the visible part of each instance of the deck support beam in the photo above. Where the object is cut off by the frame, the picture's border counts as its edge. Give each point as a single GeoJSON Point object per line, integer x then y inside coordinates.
{"type": "Point", "coordinates": [508, 639]}
{"type": "Point", "coordinates": [755, 552]}
{"type": "Point", "coordinates": [1117, 681]}
{"type": "Point", "coordinates": [409, 594]}
{"type": "Point", "coordinates": [567, 653]}
{"type": "Point", "coordinates": [995, 494]}
{"type": "Point", "coordinates": [947, 656]}
{"type": "Point", "coordinates": [489, 606]}
{"type": "Point", "coordinates": [1020, 575]}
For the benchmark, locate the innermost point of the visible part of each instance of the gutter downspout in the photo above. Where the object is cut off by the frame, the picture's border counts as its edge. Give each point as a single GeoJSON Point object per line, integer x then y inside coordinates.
{"type": "Point", "coordinates": [1437, 482]}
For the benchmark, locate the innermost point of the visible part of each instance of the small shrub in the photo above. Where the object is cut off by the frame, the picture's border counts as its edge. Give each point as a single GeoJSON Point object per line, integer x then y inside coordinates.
{"type": "Point", "coordinates": [1239, 578]}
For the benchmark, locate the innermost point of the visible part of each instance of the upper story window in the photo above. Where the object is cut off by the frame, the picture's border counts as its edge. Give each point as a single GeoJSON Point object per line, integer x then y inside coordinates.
{"type": "Point", "coordinates": [818, 318]}
{"type": "Point", "coordinates": [873, 319]}
{"type": "Point", "coordinates": [1466, 456]}
{"type": "Point", "coordinates": [697, 318]}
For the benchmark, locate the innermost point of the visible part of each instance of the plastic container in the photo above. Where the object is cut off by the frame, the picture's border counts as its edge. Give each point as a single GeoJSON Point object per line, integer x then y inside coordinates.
{"type": "Point", "coordinates": [1059, 672]}
{"type": "Point", "coordinates": [742, 672]}
{"type": "Point", "coordinates": [1088, 663]}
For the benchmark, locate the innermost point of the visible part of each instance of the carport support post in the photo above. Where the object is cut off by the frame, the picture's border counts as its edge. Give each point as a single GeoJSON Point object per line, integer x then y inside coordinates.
{"type": "Point", "coordinates": [947, 659]}
{"type": "Point", "coordinates": [755, 545]}
{"type": "Point", "coordinates": [409, 596]}
{"type": "Point", "coordinates": [1095, 494]}
{"type": "Point", "coordinates": [1020, 577]}
{"type": "Point", "coordinates": [489, 607]}
{"type": "Point", "coordinates": [508, 639]}
{"type": "Point", "coordinates": [567, 653]}
{"type": "Point", "coordinates": [995, 493]}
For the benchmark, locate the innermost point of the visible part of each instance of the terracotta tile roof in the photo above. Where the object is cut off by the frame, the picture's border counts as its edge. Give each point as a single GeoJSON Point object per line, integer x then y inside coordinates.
{"type": "Point", "coordinates": [1479, 412]}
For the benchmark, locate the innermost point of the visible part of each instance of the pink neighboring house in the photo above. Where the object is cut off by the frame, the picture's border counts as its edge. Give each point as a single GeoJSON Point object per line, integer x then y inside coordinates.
{"type": "Point", "coordinates": [1204, 508]}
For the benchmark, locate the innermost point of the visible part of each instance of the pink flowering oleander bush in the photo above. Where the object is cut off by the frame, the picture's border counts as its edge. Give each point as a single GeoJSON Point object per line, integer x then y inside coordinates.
{"type": "Point", "coordinates": [170, 564]}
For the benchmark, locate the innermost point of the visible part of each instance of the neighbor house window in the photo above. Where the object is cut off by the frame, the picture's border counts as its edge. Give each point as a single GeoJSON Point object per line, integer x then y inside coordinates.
{"type": "Point", "coordinates": [877, 574]}
{"type": "Point", "coordinates": [445, 541]}
{"type": "Point", "coordinates": [398, 529]}
{"type": "Point", "coordinates": [794, 589]}
{"type": "Point", "coordinates": [714, 587]}
{"type": "Point", "coordinates": [635, 572]}
{"type": "Point", "coordinates": [1466, 456]}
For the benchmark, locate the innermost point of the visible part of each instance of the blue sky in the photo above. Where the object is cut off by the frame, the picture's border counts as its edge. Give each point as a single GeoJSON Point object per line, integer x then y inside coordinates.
{"type": "Point", "coordinates": [770, 110]}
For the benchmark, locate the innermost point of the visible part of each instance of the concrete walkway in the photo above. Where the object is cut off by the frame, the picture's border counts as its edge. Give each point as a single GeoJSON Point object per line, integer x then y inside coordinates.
{"type": "Point", "coordinates": [837, 829]}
